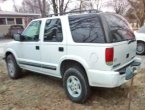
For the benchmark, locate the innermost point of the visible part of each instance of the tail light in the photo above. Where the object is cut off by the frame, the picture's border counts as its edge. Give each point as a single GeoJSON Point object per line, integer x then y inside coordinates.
{"type": "Point", "coordinates": [109, 56]}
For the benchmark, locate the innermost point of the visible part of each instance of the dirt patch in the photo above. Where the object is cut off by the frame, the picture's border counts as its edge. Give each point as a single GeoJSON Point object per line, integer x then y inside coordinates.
{"type": "Point", "coordinates": [40, 92]}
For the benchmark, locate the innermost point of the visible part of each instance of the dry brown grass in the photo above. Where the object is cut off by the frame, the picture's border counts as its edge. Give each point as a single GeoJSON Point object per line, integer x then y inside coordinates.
{"type": "Point", "coordinates": [38, 92]}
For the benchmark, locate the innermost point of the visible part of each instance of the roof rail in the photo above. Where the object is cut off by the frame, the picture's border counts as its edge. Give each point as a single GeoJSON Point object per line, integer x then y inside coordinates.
{"type": "Point", "coordinates": [75, 12]}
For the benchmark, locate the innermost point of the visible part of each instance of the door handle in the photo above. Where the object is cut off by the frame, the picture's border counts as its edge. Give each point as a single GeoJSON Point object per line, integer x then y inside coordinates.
{"type": "Point", "coordinates": [61, 49]}
{"type": "Point", "coordinates": [37, 47]}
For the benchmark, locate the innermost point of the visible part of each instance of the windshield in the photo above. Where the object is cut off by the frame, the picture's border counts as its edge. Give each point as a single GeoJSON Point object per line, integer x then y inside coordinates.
{"type": "Point", "coordinates": [119, 28]}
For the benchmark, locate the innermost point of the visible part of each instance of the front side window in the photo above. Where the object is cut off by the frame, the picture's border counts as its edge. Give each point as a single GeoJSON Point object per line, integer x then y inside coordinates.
{"type": "Point", "coordinates": [32, 31]}
{"type": "Point", "coordinates": [119, 28]}
{"type": "Point", "coordinates": [53, 31]}
{"type": "Point", "coordinates": [86, 29]}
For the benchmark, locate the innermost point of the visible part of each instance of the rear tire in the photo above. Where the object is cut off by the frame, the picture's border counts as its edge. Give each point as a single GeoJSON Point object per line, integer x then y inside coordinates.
{"type": "Point", "coordinates": [76, 84]}
{"type": "Point", "coordinates": [140, 48]}
{"type": "Point", "coordinates": [14, 70]}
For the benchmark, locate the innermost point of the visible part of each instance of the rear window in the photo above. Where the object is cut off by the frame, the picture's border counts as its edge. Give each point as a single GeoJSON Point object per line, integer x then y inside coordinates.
{"type": "Point", "coordinates": [119, 28]}
{"type": "Point", "coordinates": [86, 29]}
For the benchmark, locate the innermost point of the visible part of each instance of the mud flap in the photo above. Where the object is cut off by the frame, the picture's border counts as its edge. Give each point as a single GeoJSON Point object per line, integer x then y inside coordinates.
{"type": "Point", "coordinates": [130, 70]}
{"type": "Point", "coordinates": [129, 73]}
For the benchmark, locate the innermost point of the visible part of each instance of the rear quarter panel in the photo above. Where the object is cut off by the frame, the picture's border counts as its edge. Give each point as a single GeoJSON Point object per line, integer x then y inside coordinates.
{"type": "Point", "coordinates": [92, 54]}
{"type": "Point", "coordinates": [140, 36]}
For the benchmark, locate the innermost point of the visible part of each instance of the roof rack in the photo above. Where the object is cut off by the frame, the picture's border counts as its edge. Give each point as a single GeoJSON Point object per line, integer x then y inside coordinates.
{"type": "Point", "coordinates": [75, 12]}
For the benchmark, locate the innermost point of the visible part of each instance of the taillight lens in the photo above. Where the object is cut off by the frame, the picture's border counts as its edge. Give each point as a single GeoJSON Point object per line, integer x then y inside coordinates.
{"type": "Point", "coordinates": [109, 56]}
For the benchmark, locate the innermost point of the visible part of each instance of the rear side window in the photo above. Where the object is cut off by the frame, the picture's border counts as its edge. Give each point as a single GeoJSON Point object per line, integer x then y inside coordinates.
{"type": "Point", "coordinates": [53, 31]}
{"type": "Point", "coordinates": [86, 29]}
{"type": "Point", "coordinates": [119, 28]}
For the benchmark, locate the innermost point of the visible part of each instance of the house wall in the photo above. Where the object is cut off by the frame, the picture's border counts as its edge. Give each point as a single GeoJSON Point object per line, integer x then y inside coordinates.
{"type": "Point", "coordinates": [5, 27]}
{"type": "Point", "coordinates": [25, 20]}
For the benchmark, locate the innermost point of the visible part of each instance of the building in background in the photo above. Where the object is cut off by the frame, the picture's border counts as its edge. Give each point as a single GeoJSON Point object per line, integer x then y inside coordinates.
{"type": "Point", "coordinates": [14, 18]}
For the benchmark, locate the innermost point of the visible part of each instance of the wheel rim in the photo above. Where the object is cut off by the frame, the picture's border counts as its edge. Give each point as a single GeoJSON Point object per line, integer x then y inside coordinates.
{"type": "Point", "coordinates": [74, 86]}
{"type": "Point", "coordinates": [11, 67]}
{"type": "Point", "coordinates": [140, 48]}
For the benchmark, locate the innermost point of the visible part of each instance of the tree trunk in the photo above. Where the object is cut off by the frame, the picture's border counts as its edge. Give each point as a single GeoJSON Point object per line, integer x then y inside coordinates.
{"type": "Point", "coordinates": [44, 8]}
{"type": "Point", "coordinates": [61, 5]}
{"type": "Point", "coordinates": [40, 7]}
{"type": "Point", "coordinates": [142, 21]}
{"type": "Point", "coordinates": [55, 8]}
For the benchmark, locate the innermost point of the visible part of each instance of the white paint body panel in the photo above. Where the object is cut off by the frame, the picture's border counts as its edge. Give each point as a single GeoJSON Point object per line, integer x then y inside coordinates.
{"type": "Point", "coordinates": [140, 36]}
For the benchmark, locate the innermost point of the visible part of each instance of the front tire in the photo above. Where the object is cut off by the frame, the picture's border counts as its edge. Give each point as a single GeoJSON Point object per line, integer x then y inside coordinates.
{"type": "Point", "coordinates": [12, 67]}
{"type": "Point", "coordinates": [76, 85]}
{"type": "Point", "coordinates": [140, 48]}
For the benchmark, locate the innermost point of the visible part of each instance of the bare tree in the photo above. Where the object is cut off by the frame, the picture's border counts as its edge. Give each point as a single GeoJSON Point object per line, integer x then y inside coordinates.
{"type": "Point", "coordinates": [81, 5]}
{"type": "Point", "coordinates": [35, 6]}
{"type": "Point", "coordinates": [60, 6]}
{"type": "Point", "coordinates": [90, 4]}
{"type": "Point", "coordinates": [96, 4]}
{"type": "Point", "coordinates": [138, 8]}
{"type": "Point", "coordinates": [118, 6]}
{"type": "Point", "coordinates": [15, 6]}
{"type": "Point", "coordinates": [42, 7]}
{"type": "Point", "coordinates": [55, 7]}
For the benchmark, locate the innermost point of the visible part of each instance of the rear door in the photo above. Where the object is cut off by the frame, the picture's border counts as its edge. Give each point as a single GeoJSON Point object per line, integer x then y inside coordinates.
{"type": "Point", "coordinates": [53, 47]}
{"type": "Point", "coordinates": [123, 39]}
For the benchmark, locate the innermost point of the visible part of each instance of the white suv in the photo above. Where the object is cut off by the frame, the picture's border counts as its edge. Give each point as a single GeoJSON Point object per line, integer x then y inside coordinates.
{"type": "Point", "coordinates": [95, 49]}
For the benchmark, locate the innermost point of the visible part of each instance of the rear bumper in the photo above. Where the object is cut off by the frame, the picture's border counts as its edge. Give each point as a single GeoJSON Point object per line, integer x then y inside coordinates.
{"type": "Point", "coordinates": [110, 79]}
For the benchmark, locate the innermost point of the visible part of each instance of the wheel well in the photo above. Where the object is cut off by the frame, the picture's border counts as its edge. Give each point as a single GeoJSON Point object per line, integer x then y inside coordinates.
{"type": "Point", "coordinates": [70, 63]}
{"type": "Point", "coordinates": [140, 41]}
{"type": "Point", "coordinates": [8, 53]}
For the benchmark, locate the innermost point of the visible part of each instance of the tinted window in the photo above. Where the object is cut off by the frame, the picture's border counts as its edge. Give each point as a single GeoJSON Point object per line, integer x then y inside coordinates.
{"type": "Point", "coordinates": [119, 28]}
{"type": "Point", "coordinates": [86, 29]}
{"type": "Point", "coordinates": [32, 31]}
{"type": "Point", "coordinates": [53, 31]}
{"type": "Point", "coordinates": [141, 30]}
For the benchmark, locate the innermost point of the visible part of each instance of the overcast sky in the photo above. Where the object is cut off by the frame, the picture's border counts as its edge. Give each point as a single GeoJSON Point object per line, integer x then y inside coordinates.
{"type": "Point", "coordinates": [8, 5]}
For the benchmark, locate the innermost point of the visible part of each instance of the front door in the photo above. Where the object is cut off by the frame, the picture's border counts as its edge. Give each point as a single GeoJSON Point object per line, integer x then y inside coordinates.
{"type": "Point", "coordinates": [30, 47]}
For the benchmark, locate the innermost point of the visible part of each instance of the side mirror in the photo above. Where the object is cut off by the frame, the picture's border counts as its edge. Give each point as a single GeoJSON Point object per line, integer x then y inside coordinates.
{"type": "Point", "coordinates": [17, 37]}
